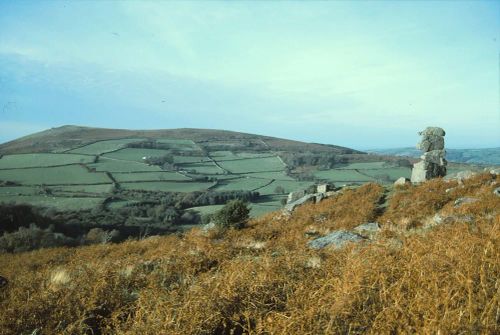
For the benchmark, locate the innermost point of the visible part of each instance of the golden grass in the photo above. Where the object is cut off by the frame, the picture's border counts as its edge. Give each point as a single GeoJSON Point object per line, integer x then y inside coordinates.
{"type": "Point", "coordinates": [264, 280]}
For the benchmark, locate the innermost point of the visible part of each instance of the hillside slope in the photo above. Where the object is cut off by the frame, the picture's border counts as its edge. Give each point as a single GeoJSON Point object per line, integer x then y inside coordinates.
{"type": "Point", "coordinates": [432, 268]}
{"type": "Point", "coordinates": [66, 137]}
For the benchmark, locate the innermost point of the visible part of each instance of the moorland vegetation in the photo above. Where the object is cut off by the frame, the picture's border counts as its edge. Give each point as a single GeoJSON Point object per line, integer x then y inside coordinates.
{"type": "Point", "coordinates": [433, 267]}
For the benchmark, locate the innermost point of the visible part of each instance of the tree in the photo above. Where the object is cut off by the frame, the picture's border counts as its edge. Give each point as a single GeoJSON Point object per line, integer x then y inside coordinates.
{"type": "Point", "coordinates": [234, 214]}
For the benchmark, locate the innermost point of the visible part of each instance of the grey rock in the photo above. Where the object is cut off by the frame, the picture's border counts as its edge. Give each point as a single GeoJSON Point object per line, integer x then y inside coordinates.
{"type": "Point", "coordinates": [495, 171]}
{"type": "Point", "coordinates": [465, 200]}
{"type": "Point", "coordinates": [319, 197]}
{"type": "Point", "coordinates": [370, 227]}
{"type": "Point", "coordinates": [418, 173]}
{"type": "Point", "coordinates": [431, 142]}
{"type": "Point", "coordinates": [401, 181]}
{"type": "Point", "coordinates": [436, 131]}
{"type": "Point", "coordinates": [305, 199]}
{"type": "Point", "coordinates": [435, 156]}
{"type": "Point", "coordinates": [294, 196]}
{"type": "Point", "coordinates": [337, 239]}
{"type": "Point", "coordinates": [323, 188]}
{"type": "Point", "coordinates": [496, 191]}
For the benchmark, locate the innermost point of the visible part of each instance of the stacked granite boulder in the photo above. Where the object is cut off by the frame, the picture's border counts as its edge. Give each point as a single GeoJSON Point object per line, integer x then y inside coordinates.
{"type": "Point", "coordinates": [433, 163]}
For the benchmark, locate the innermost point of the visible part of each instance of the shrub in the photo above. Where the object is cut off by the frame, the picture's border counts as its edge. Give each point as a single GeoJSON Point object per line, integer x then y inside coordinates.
{"type": "Point", "coordinates": [234, 214]}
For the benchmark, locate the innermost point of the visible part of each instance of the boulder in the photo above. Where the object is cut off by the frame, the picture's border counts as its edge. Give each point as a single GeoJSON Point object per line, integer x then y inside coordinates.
{"type": "Point", "coordinates": [436, 131]}
{"type": "Point", "coordinates": [337, 239]}
{"type": "Point", "coordinates": [323, 188]}
{"type": "Point", "coordinates": [431, 142]}
{"type": "Point", "coordinates": [418, 173]}
{"type": "Point", "coordinates": [435, 156]}
{"type": "Point", "coordinates": [294, 196]}
{"type": "Point", "coordinates": [305, 199]}
{"type": "Point", "coordinates": [368, 229]}
{"type": "Point", "coordinates": [401, 181]}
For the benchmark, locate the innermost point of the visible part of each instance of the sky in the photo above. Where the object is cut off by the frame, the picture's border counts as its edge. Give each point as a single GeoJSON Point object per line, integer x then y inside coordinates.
{"type": "Point", "coordinates": [358, 74]}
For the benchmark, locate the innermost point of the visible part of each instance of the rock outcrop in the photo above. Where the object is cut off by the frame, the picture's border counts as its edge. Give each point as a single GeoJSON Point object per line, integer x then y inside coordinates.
{"type": "Point", "coordinates": [337, 239]}
{"type": "Point", "coordinates": [433, 162]}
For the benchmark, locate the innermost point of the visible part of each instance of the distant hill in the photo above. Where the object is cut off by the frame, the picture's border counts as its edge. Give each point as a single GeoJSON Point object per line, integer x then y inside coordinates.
{"type": "Point", "coordinates": [68, 137]}
{"type": "Point", "coordinates": [470, 156]}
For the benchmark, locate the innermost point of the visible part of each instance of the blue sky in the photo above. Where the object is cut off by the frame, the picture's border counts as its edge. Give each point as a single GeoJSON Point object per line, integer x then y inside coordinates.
{"type": "Point", "coordinates": [359, 74]}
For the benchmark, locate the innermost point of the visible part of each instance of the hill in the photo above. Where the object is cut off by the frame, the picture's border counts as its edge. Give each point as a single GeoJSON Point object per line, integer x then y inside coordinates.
{"type": "Point", "coordinates": [488, 156]}
{"type": "Point", "coordinates": [160, 181]}
{"type": "Point", "coordinates": [431, 267]}
{"type": "Point", "coordinates": [69, 137]}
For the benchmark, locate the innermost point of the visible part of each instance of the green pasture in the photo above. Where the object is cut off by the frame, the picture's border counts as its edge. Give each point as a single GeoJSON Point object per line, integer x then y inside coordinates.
{"type": "Point", "coordinates": [252, 165]}
{"type": "Point", "coordinates": [288, 186]}
{"type": "Point", "coordinates": [121, 203]}
{"type": "Point", "coordinates": [190, 159]}
{"type": "Point", "coordinates": [59, 203]}
{"type": "Point", "coordinates": [18, 190]}
{"type": "Point", "coordinates": [135, 154]}
{"type": "Point", "coordinates": [244, 184]}
{"type": "Point", "coordinates": [392, 173]}
{"type": "Point", "coordinates": [270, 175]}
{"type": "Point", "coordinates": [201, 168]}
{"type": "Point", "coordinates": [150, 176]}
{"type": "Point", "coordinates": [364, 165]}
{"type": "Point", "coordinates": [42, 160]}
{"type": "Point", "coordinates": [101, 147]}
{"type": "Point", "coordinates": [111, 165]}
{"type": "Point", "coordinates": [71, 174]}
{"type": "Point", "coordinates": [104, 188]}
{"type": "Point", "coordinates": [342, 176]}
{"type": "Point", "coordinates": [166, 186]}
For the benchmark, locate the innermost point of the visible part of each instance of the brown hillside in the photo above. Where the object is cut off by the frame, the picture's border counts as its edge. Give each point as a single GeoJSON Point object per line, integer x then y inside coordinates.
{"type": "Point", "coordinates": [412, 277]}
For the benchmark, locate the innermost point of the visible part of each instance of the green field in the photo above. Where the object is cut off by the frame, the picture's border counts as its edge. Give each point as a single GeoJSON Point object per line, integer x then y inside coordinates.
{"type": "Point", "coordinates": [392, 173]}
{"type": "Point", "coordinates": [104, 188]}
{"type": "Point", "coordinates": [60, 203]}
{"type": "Point", "coordinates": [244, 184]}
{"type": "Point", "coordinates": [111, 165]}
{"type": "Point", "coordinates": [71, 174]}
{"type": "Point", "coordinates": [135, 154]}
{"type": "Point", "coordinates": [208, 168]}
{"type": "Point", "coordinates": [342, 176]}
{"type": "Point", "coordinates": [288, 186]}
{"type": "Point", "coordinates": [101, 147]}
{"type": "Point", "coordinates": [367, 165]}
{"type": "Point", "coordinates": [269, 175]}
{"type": "Point", "coordinates": [18, 190]}
{"type": "Point", "coordinates": [150, 176]}
{"type": "Point", "coordinates": [42, 160]}
{"type": "Point", "coordinates": [253, 165]}
{"type": "Point", "coordinates": [165, 186]}
{"type": "Point", "coordinates": [190, 159]}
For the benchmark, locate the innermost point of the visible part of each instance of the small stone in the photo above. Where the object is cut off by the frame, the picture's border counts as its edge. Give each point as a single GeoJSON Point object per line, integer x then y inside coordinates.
{"type": "Point", "coordinates": [323, 188]}
{"type": "Point", "coordinates": [305, 199]}
{"type": "Point", "coordinates": [465, 200]}
{"type": "Point", "coordinates": [368, 227]}
{"type": "Point", "coordinates": [495, 171]}
{"type": "Point", "coordinates": [496, 191]}
{"type": "Point", "coordinates": [401, 181]}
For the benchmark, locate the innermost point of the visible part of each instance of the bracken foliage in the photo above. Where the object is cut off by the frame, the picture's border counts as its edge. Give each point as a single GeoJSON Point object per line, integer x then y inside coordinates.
{"type": "Point", "coordinates": [264, 280]}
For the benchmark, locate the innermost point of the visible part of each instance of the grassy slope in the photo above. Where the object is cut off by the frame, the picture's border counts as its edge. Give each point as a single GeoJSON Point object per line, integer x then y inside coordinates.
{"type": "Point", "coordinates": [66, 137]}
{"type": "Point", "coordinates": [264, 280]}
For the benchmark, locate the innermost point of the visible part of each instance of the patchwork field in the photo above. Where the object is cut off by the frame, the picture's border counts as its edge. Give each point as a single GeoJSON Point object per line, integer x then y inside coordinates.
{"type": "Point", "coordinates": [71, 174]}
{"type": "Point", "coordinates": [42, 160]}
{"type": "Point", "coordinates": [101, 147]}
{"type": "Point", "coordinates": [92, 172]}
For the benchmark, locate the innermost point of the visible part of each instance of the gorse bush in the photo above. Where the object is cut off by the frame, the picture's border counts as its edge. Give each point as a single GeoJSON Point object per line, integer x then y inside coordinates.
{"type": "Point", "coordinates": [234, 214]}
{"type": "Point", "coordinates": [265, 280]}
